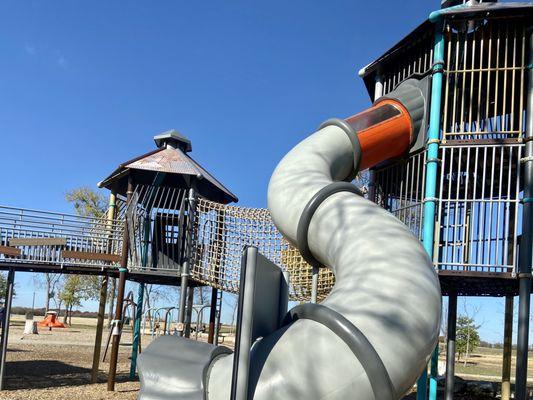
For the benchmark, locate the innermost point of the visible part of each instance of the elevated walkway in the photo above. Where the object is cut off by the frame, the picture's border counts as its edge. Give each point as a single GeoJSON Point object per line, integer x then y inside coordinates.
{"type": "Point", "coordinates": [43, 241]}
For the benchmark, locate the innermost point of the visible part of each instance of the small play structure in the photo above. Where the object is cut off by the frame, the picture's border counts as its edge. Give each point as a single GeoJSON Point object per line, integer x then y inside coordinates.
{"type": "Point", "coordinates": [50, 321]}
{"type": "Point", "coordinates": [447, 146]}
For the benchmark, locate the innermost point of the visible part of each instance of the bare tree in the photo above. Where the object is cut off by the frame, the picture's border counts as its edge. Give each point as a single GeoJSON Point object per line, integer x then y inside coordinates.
{"type": "Point", "coordinates": [49, 282]}
{"type": "Point", "coordinates": [471, 336]}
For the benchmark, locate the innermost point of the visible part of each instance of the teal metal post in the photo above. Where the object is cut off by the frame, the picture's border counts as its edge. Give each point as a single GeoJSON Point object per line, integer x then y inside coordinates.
{"type": "Point", "coordinates": [137, 331]}
{"type": "Point", "coordinates": [428, 229]}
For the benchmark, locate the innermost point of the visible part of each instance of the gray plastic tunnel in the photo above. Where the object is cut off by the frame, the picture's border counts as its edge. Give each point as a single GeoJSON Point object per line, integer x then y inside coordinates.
{"type": "Point", "coordinates": [386, 287]}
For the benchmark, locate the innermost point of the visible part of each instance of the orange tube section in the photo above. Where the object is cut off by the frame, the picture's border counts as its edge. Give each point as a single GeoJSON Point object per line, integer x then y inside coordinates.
{"type": "Point", "coordinates": [385, 131]}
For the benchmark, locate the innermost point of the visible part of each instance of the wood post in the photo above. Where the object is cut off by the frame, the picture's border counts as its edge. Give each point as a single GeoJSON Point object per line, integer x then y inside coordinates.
{"type": "Point", "coordinates": [111, 214]}
{"type": "Point", "coordinates": [507, 348]}
{"type": "Point", "coordinates": [99, 329]}
{"type": "Point", "coordinates": [117, 322]}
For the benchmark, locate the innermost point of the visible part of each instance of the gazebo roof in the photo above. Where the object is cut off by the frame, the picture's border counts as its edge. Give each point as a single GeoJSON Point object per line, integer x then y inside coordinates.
{"type": "Point", "coordinates": [171, 166]}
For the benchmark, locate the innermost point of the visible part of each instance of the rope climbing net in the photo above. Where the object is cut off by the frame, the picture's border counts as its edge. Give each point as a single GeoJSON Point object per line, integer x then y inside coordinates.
{"type": "Point", "coordinates": [221, 232]}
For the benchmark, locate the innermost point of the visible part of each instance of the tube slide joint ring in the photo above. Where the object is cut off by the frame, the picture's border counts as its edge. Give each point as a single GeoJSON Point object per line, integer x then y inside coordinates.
{"type": "Point", "coordinates": [352, 135]}
{"type": "Point", "coordinates": [307, 215]}
{"type": "Point", "coordinates": [358, 343]}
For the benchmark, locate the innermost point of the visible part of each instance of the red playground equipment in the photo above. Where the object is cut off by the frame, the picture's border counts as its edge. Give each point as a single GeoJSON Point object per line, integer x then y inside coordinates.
{"type": "Point", "coordinates": [50, 321]}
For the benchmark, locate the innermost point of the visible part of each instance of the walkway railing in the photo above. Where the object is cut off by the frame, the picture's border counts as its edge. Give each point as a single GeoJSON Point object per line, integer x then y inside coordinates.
{"type": "Point", "coordinates": [43, 237]}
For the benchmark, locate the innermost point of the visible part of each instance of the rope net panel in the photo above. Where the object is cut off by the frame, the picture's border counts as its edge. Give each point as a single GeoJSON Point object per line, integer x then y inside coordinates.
{"type": "Point", "coordinates": [220, 234]}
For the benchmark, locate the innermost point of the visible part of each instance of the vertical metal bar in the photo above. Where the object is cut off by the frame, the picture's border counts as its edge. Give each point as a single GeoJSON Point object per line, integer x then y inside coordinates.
{"type": "Point", "coordinates": [473, 221]}
{"type": "Point", "coordinates": [212, 315]}
{"type": "Point", "coordinates": [489, 75]}
{"type": "Point", "coordinates": [464, 95]}
{"type": "Point", "coordinates": [471, 95]}
{"type": "Point", "coordinates": [5, 324]}
{"type": "Point", "coordinates": [447, 123]}
{"type": "Point", "coordinates": [188, 312]}
{"type": "Point", "coordinates": [480, 80]}
{"type": "Point", "coordinates": [498, 210]}
{"type": "Point", "coordinates": [526, 246]}
{"type": "Point", "coordinates": [513, 82]}
{"type": "Point", "coordinates": [241, 359]}
{"type": "Point", "coordinates": [507, 211]}
{"type": "Point", "coordinates": [185, 266]}
{"type": "Point", "coordinates": [505, 126]}
{"type": "Point", "coordinates": [213, 312]}
{"type": "Point", "coordinates": [456, 211]}
{"type": "Point", "coordinates": [314, 285]}
{"type": "Point", "coordinates": [378, 92]}
{"type": "Point", "coordinates": [497, 81]}
{"type": "Point", "coordinates": [117, 323]}
{"type": "Point", "coordinates": [217, 317]}
{"type": "Point", "coordinates": [507, 349]}
{"type": "Point", "coordinates": [491, 203]}
{"type": "Point", "coordinates": [450, 346]}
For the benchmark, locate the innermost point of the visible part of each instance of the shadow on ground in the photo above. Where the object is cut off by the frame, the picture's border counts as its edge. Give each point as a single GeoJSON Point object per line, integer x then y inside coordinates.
{"type": "Point", "coordinates": [40, 374]}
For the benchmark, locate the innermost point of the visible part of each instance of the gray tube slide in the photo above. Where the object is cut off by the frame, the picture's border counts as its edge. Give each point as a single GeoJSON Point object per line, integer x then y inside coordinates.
{"type": "Point", "coordinates": [386, 287]}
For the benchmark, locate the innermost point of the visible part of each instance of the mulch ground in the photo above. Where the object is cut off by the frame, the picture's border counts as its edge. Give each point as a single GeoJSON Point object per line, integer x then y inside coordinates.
{"type": "Point", "coordinates": [57, 365]}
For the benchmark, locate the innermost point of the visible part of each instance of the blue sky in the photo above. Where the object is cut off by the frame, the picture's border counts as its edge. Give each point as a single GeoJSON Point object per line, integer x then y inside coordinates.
{"type": "Point", "coordinates": [85, 86]}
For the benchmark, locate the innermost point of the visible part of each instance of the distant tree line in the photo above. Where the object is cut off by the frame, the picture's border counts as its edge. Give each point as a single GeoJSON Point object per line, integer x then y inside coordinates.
{"type": "Point", "coordinates": [40, 312]}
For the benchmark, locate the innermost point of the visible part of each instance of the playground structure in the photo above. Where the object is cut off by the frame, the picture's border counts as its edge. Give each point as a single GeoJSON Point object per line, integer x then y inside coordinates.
{"type": "Point", "coordinates": [449, 152]}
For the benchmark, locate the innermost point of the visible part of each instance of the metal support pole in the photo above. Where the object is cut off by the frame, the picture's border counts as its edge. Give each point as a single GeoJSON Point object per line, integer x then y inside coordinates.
{"type": "Point", "coordinates": [183, 297]}
{"type": "Point", "coordinates": [137, 331]}
{"type": "Point", "coordinates": [117, 322]}
{"type": "Point", "coordinates": [378, 92]}
{"type": "Point", "coordinates": [5, 324]}
{"type": "Point", "coordinates": [507, 348]}
{"type": "Point", "coordinates": [522, 337]}
{"type": "Point", "coordinates": [212, 316]}
{"type": "Point", "coordinates": [314, 285]}
{"type": "Point", "coordinates": [185, 267]}
{"type": "Point", "coordinates": [99, 329]}
{"type": "Point", "coordinates": [217, 319]}
{"type": "Point", "coordinates": [428, 230]}
{"type": "Point", "coordinates": [188, 312]}
{"type": "Point", "coordinates": [450, 347]}
{"type": "Point", "coordinates": [526, 245]}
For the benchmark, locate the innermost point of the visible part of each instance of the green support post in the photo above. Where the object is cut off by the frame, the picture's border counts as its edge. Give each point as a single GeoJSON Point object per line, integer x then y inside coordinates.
{"type": "Point", "coordinates": [137, 331]}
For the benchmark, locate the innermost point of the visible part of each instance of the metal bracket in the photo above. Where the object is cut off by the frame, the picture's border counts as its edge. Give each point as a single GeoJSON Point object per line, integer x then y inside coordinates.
{"type": "Point", "coordinates": [524, 160]}
{"type": "Point", "coordinates": [437, 67]}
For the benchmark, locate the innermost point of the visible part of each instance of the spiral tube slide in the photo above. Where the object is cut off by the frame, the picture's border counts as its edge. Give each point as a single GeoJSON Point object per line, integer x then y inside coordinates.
{"type": "Point", "coordinates": [386, 286]}
{"type": "Point", "coordinates": [373, 335]}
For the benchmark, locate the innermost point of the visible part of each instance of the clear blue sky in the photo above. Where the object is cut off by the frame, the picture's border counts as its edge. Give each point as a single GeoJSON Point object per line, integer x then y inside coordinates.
{"type": "Point", "coordinates": [85, 86]}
